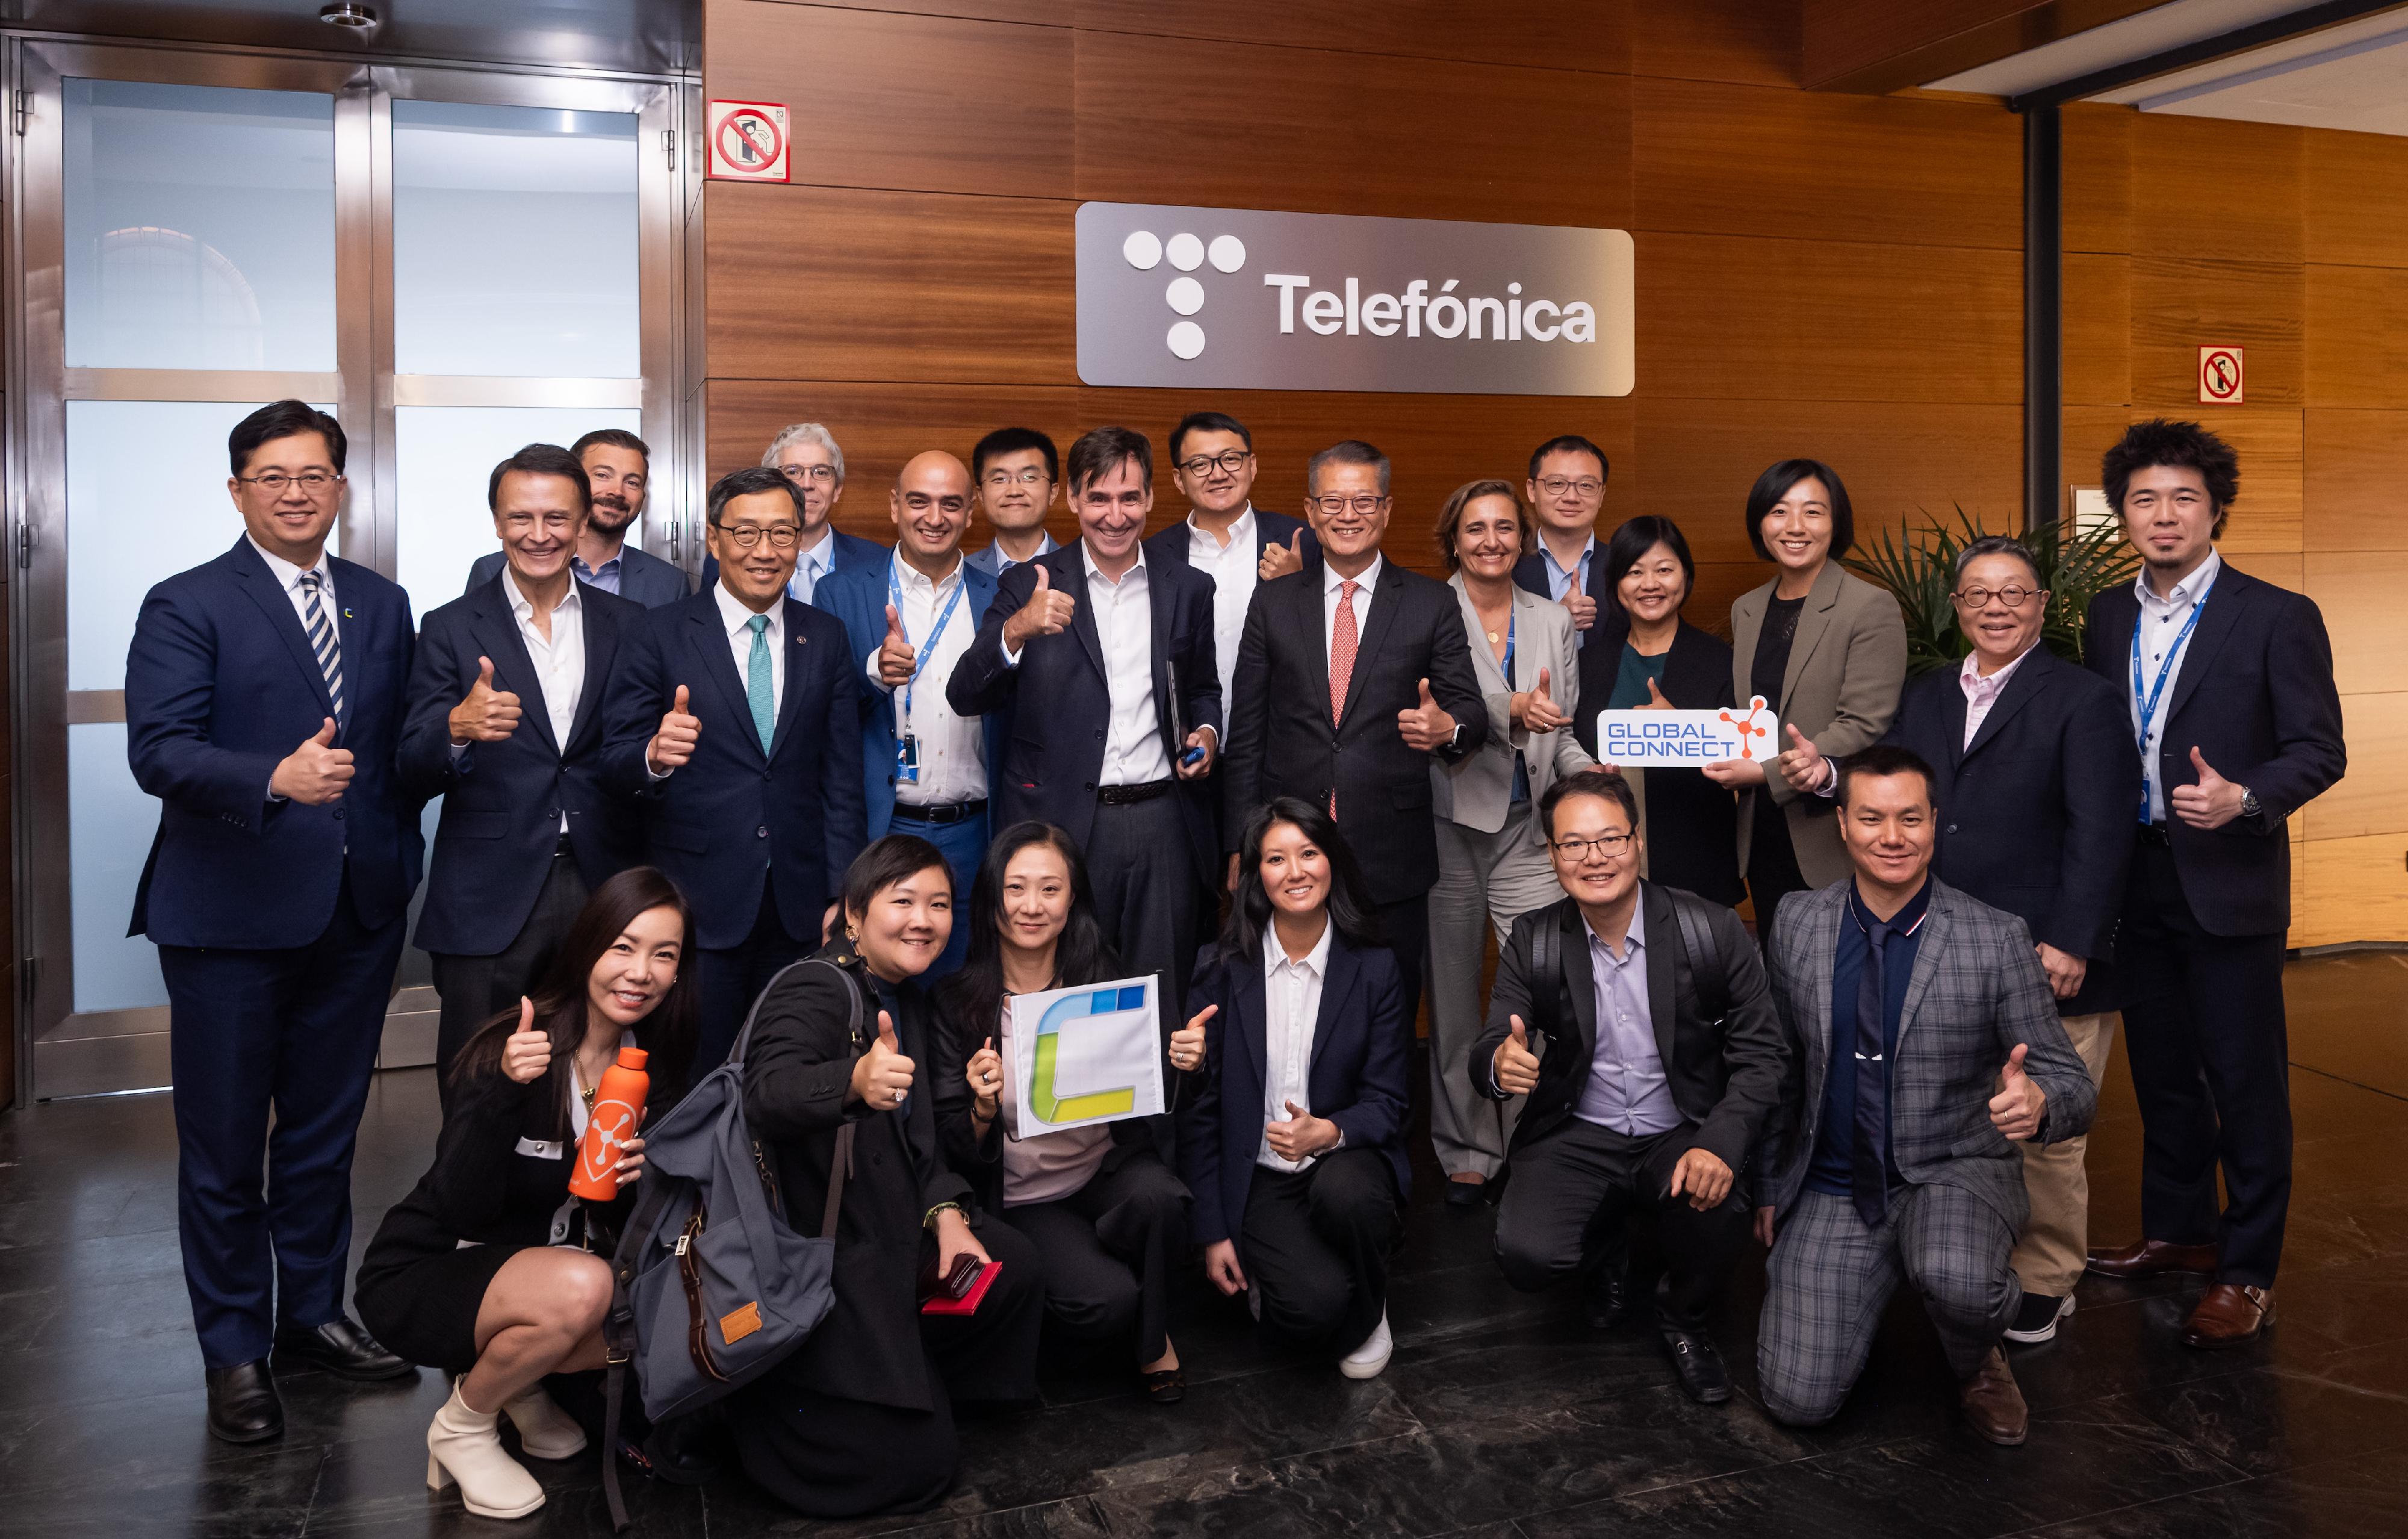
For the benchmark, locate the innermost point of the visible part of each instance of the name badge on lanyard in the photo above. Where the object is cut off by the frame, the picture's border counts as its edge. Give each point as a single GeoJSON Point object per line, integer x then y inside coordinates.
{"type": "Point", "coordinates": [907, 743]}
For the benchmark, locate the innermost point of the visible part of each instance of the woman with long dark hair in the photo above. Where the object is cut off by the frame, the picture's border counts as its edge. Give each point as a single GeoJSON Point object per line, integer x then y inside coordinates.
{"type": "Point", "coordinates": [490, 1269]}
{"type": "Point", "coordinates": [1292, 1136]}
{"type": "Point", "coordinates": [1102, 1211]}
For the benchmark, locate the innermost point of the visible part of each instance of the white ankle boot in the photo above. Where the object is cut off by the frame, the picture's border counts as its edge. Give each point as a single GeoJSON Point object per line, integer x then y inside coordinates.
{"type": "Point", "coordinates": [545, 1431]}
{"type": "Point", "coordinates": [462, 1444]}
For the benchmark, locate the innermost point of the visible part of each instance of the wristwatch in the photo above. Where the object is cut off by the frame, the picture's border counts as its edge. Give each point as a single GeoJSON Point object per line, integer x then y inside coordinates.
{"type": "Point", "coordinates": [2248, 803]}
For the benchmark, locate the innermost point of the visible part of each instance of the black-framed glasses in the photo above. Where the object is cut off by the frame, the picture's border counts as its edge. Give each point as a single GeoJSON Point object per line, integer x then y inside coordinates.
{"type": "Point", "coordinates": [2013, 596]}
{"type": "Point", "coordinates": [1229, 462]}
{"type": "Point", "coordinates": [782, 536]}
{"type": "Point", "coordinates": [315, 482]}
{"type": "Point", "coordinates": [1556, 486]}
{"type": "Point", "coordinates": [1360, 503]}
{"type": "Point", "coordinates": [1612, 846]}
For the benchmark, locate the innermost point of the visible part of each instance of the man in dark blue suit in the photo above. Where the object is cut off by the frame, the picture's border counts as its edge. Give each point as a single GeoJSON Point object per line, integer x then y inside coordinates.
{"type": "Point", "coordinates": [807, 454]}
{"type": "Point", "coordinates": [262, 704]}
{"type": "Point", "coordinates": [618, 466]}
{"type": "Point", "coordinates": [505, 724]}
{"type": "Point", "coordinates": [2228, 687]}
{"type": "Point", "coordinates": [1566, 493]}
{"type": "Point", "coordinates": [1105, 662]}
{"type": "Point", "coordinates": [1015, 471]}
{"type": "Point", "coordinates": [733, 714]}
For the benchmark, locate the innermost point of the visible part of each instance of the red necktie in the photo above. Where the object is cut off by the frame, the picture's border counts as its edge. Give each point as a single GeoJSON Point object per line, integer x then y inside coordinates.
{"type": "Point", "coordinates": [1343, 638]}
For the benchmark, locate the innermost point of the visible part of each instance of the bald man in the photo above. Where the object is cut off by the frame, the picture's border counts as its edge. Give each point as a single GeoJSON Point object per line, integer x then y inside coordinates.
{"type": "Point", "coordinates": [910, 618]}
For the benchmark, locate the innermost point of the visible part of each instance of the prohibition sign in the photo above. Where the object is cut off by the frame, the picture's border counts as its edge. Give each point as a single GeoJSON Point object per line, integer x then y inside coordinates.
{"type": "Point", "coordinates": [2220, 375]}
{"type": "Point", "coordinates": [748, 141]}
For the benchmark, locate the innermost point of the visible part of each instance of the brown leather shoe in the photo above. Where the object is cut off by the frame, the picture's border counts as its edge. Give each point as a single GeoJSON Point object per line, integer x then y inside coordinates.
{"type": "Point", "coordinates": [2151, 1259]}
{"type": "Point", "coordinates": [2229, 1315]}
{"type": "Point", "coordinates": [1994, 1407]}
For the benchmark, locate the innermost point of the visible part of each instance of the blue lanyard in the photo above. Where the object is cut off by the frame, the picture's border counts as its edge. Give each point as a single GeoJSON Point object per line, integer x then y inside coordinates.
{"type": "Point", "coordinates": [921, 649]}
{"type": "Point", "coordinates": [1508, 664]}
{"type": "Point", "coordinates": [2147, 704]}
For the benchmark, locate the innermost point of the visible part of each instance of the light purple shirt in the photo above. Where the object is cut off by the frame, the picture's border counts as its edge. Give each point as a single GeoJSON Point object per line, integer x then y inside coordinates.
{"type": "Point", "coordinates": [1626, 1091]}
{"type": "Point", "coordinates": [1981, 693]}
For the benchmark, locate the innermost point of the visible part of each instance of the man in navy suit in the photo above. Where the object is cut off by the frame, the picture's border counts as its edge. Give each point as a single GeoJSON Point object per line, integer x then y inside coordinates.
{"type": "Point", "coordinates": [927, 770]}
{"type": "Point", "coordinates": [1566, 491]}
{"type": "Point", "coordinates": [618, 466]}
{"type": "Point", "coordinates": [1016, 469]}
{"type": "Point", "coordinates": [734, 715]}
{"type": "Point", "coordinates": [262, 704]}
{"type": "Point", "coordinates": [1105, 661]}
{"type": "Point", "coordinates": [807, 454]}
{"type": "Point", "coordinates": [505, 724]}
{"type": "Point", "coordinates": [2228, 684]}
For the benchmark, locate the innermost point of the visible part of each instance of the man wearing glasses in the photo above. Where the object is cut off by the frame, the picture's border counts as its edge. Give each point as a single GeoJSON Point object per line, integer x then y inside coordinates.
{"type": "Point", "coordinates": [1566, 489]}
{"type": "Point", "coordinates": [807, 454]}
{"type": "Point", "coordinates": [1659, 1058]}
{"type": "Point", "coordinates": [734, 714]}
{"type": "Point", "coordinates": [1016, 469]}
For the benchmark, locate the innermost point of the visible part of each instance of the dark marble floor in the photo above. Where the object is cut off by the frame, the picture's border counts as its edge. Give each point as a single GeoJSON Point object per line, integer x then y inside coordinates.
{"type": "Point", "coordinates": [1501, 1415]}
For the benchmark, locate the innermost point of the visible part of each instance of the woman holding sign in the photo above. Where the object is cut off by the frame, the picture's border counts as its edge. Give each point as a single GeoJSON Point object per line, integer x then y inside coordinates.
{"type": "Point", "coordinates": [490, 1269]}
{"type": "Point", "coordinates": [1098, 1206]}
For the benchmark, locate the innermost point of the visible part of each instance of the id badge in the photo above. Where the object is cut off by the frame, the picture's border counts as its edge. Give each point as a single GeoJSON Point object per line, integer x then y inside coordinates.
{"type": "Point", "coordinates": [906, 759]}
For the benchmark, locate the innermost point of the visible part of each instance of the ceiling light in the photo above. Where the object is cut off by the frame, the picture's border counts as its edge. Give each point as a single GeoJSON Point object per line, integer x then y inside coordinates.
{"type": "Point", "coordinates": [351, 17]}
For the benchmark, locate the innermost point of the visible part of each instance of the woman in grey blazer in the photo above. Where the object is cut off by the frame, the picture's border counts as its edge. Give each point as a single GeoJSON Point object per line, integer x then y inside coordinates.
{"type": "Point", "coordinates": [1492, 854]}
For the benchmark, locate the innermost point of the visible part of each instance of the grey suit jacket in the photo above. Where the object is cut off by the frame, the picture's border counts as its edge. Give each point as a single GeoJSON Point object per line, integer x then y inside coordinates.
{"type": "Point", "coordinates": [643, 578]}
{"type": "Point", "coordinates": [1477, 789]}
{"type": "Point", "coordinates": [1847, 664]}
{"type": "Point", "coordinates": [1977, 991]}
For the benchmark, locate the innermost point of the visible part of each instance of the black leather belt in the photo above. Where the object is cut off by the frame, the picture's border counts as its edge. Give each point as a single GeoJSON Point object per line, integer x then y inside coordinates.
{"type": "Point", "coordinates": [2155, 833]}
{"type": "Point", "coordinates": [1126, 795]}
{"type": "Point", "coordinates": [960, 811]}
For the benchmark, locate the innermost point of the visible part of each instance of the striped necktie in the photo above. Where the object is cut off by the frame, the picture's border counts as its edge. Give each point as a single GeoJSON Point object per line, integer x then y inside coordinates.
{"type": "Point", "coordinates": [323, 640]}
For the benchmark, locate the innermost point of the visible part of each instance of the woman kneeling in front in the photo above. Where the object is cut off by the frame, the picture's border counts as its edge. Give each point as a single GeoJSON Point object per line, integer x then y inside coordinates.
{"type": "Point", "coordinates": [491, 1269]}
{"type": "Point", "coordinates": [1293, 1135]}
{"type": "Point", "coordinates": [858, 1419]}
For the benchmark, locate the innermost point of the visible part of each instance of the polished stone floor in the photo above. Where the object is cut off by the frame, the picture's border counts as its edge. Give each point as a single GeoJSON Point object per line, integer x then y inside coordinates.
{"type": "Point", "coordinates": [1501, 1415]}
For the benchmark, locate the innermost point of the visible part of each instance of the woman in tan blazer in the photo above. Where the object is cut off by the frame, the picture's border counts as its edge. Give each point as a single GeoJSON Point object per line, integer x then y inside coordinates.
{"type": "Point", "coordinates": [1827, 652]}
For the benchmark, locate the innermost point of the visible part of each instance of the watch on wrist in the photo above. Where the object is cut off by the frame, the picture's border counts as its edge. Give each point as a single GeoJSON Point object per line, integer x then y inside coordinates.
{"type": "Point", "coordinates": [2249, 807]}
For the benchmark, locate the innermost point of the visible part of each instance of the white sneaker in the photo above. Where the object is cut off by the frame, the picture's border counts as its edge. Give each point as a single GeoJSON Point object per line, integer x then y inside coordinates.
{"type": "Point", "coordinates": [545, 1431]}
{"type": "Point", "coordinates": [1366, 1361]}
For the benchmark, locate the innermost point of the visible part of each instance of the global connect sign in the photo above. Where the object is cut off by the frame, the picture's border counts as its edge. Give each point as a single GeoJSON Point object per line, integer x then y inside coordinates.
{"type": "Point", "coordinates": [1245, 299]}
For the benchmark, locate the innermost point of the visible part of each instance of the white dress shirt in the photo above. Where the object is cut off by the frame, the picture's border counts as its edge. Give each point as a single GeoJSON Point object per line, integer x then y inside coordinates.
{"type": "Point", "coordinates": [559, 663]}
{"type": "Point", "coordinates": [288, 576]}
{"type": "Point", "coordinates": [810, 566]}
{"type": "Point", "coordinates": [1133, 751]}
{"type": "Point", "coordinates": [1330, 579]}
{"type": "Point", "coordinates": [1232, 568]}
{"type": "Point", "coordinates": [1981, 693]}
{"type": "Point", "coordinates": [2160, 622]}
{"type": "Point", "coordinates": [952, 749]}
{"type": "Point", "coordinates": [1291, 1010]}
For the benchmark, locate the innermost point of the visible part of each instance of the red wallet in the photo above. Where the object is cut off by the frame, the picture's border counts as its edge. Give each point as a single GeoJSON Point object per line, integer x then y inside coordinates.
{"type": "Point", "coordinates": [968, 1304]}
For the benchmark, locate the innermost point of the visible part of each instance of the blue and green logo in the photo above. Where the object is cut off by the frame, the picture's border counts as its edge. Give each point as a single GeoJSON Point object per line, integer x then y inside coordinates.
{"type": "Point", "coordinates": [1042, 1098]}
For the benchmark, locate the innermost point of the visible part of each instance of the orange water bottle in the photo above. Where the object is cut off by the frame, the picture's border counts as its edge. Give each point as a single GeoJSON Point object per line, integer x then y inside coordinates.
{"type": "Point", "coordinates": [618, 1111]}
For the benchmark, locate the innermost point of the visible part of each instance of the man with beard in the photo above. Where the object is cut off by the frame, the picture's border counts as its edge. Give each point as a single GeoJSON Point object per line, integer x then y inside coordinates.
{"type": "Point", "coordinates": [618, 466]}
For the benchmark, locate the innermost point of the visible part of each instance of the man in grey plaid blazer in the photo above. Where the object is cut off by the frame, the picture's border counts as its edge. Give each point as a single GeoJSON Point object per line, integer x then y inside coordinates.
{"type": "Point", "coordinates": [1928, 1045]}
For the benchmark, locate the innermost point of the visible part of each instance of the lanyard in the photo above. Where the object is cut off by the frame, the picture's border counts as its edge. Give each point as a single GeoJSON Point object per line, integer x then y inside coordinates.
{"type": "Point", "coordinates": [1508, 664]}
{"type": "Point", "coordinates": [920, 650]}
{"type": "Point", "coordinates": [2147, 705]}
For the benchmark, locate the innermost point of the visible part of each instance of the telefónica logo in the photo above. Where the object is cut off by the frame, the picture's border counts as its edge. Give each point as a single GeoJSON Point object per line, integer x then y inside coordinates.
{"type": "Point", "coordinates": [1146, 250]}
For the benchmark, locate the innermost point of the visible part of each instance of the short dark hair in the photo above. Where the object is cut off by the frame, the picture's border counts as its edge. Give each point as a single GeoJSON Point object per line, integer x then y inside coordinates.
{"type": "Point", "coordinates": [2186, 446]}
{"type": "Point", "coordinates": [750, 481]}
{"type": "Point", "coordinates": [1774, 484]}
{"type": "Point", "coordinates": [1450, 516]}
{"type": "Point", "coordinates": [539, 459]}
{"type": "Point", "coordinates": [972, 995]}
{"type": "Point", "coordinates": [1101, 451]}
{"type": "Point", "coordinates": [1633, 538]}
{"type": "Point", "coordinates": [283, 420]}
{"type": "Point", "coordinates": [1994, 545]}
{"type": "Point", "coordinates": [1208, 422]}
{"type": "Point", "coordinates": [1013, 440]}
{"type": "Point", "coordinates": [1250, 909]}
{"type": "Point", "coordinates": [1588, 782]}
{"type": "Point", "coordinates": [897, 857]}
{"type": "Point", "coordinates": [1346, 452]}
{"type": "Point", "coordinates": [1570, 443]}
{"type": "Point", "coordinates": [1880, 762]}
{"type": "Point", "coordinates": [617, 438]}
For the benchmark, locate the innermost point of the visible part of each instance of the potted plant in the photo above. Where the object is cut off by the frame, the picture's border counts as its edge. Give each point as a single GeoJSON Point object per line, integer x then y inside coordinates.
{"type": "Point", "coordinates": [1919, 570]}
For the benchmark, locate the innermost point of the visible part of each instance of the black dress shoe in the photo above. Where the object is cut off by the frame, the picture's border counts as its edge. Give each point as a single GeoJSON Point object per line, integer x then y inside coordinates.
{"type": "Point", "coordinates": [243, 1404]}
{"type": "Point", "coordinates": [342, 1349]}
{"type": "Point", "coordinates": [1608, 1297]}
{"type": "Point", "coordinates": [1698, 1367]}
{"type": "Point", "coordinates": [1465, 1194]}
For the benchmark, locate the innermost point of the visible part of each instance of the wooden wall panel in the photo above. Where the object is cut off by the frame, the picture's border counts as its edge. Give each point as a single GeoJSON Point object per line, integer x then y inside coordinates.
{"type": "Point", "coordinates": [2266, 517]}
{"type": "Point", "coordinates": [1535, 34]}
{"type": "Point", "coordinates": [2098, 328]}
{"type": "Point", "coordinates": [2352, 889]}
{"type": "Point", "coordinates": [2358, 462]}
{"type": "Point", "coordinates": [2208, 187]}
{"type": "Point", "coordinates": [2358, 336]}
{"type": "Point", "coordinates": [2367, 801]}
{"type": "Point", "coordinates": [1043, 13]}
{"type": "Point", "coordinates": [2359, 595]}
{"type": "Point", "coordinates": [2095, 175]}
{"type": "Point", "coordinates": [2181, 304]}
{"type": "Point", "coordinates": [2357, 199]}
{"type": "Point", "coordinates": [1744, 41]}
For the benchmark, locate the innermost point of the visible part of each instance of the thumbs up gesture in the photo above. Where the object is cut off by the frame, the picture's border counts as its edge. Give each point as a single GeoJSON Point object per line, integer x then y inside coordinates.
{"type": "Point", "coordinates": [1536, 710]}
{"type": "Point", "coordinates": [314, 773]}
{"type": "Point", "coordinates": [2212, 803]}
{"type": "Point", "coordinates": [1656, 700]}
{"type": "Point", "coordinates": [1278, 560]}
{"type": "Point", "coordinates": [983, 1073]}
{"type": "Point", "coordinates": [1301, 1136]}
{"type": "Point", "coordinates": [1583, 608]}
{"type": "Point", "coordinates": [673, 744]}
{"type": "Point", "coordinates": [526, 1052]}
{"type": "Point", "coordinates": [895, 654]}
{"type": "Point", "coordinates": [1187, 1042]}
{"type": "Point", "coordinates": [1516, 1067]}
{"type": "Point", "coordinates": [1048, 611]}
{"type": "Point", "coordinates": [1425, 727]}
{"type": "Point", "coordinates": [2015, 1110]}
{"type": "Point", "coordinates": [881, 1076]}
{"type": "Point", "coordinates": [488, 714]}
{"type": "Point", "coordinates": [1802, 764]}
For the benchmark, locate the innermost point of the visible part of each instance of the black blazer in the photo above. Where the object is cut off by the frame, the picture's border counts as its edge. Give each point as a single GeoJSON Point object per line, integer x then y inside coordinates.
{"type": "Point", "coordinates": [644, 579]}
{"type": "Point", "coordinates": [1725, 1075]}
{"type": "Point", "coordinates": [1530, 575]}
{"type": "Point", "coordinates": [1361, 1044]}
{"type": "Point", "coordinates": [1691, 823]}
{"type": "Point", "coordinates": [2256, 698]}
{"type": "Point", "coordinates": [1056, 749]}
{"type": "Point", "coordinates": [1170, 545]}
{"type": "Point", "coordinates": [503, 801]}
{"type": "Point", "coordinates": [2035, 816]}
{"type": "Point", "coordinates": [1280, 741]}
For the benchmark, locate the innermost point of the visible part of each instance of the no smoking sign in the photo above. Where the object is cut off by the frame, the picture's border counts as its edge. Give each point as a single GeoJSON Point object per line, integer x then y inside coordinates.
{"type": "Point", "coordinates": [748, 141]}
{"type": "Point", "coordinates": [2219, 375]}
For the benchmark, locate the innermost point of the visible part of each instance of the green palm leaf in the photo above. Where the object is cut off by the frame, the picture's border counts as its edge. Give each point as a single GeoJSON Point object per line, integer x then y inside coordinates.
{"type": "Point", "coordinates": [1917, 567]}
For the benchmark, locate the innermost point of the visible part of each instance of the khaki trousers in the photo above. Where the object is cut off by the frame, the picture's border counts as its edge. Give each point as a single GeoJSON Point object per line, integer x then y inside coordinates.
{"type": "Point", "coordinates": [2049, 1257]}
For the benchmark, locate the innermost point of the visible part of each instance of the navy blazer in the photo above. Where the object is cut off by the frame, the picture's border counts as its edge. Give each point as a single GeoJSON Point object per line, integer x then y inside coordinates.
{"type": "Point", "coordinates": [2035, 815]}
{"type": "Point", "coordinates": [1530, 575]}
{"type": "Point", "coordinates": [2256, 697]}
{"type": "Point", "coordinates": [797, 807]}
{"type": "Point", "coordinates": [1361, 1042]}
{"type": "Point", "coordinates": [852, 554]}
{"type": "Point", "coordinates": [858, 600]}
{"type": "Point", "coordinates": [987, 557]}
{"type": "Point", "coordinates": [1270, 528]}
{"type": "Point", "coordinates": [503, 801]}
{"type": "Point", "coordinates": [221, 686]}
{"type": "Point", "coordinates": [643, 578]}
{"type": "Point", "coordinates": [1054, 754]}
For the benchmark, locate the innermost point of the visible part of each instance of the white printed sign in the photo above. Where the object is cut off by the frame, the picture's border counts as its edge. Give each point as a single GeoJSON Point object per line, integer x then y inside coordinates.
{"type": "Point", "coordinates": [1086, 1055]}
{"type": "Point", "coordinates": [748, 141]}
{"type": "Point", "coordinates": [1685, 738]}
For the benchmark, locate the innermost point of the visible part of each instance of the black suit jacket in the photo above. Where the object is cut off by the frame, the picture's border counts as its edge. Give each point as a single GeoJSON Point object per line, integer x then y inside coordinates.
{"type": "Point", "coordinates": [1692, 824]}
{"type": "Point", "coordinates": [2035, 815]}
{"type": "Point", "coordinates": [2256, 698]}
{"type": "Point", "coordinates": [1725, 1075]}
{"type": "Point", "coordinates": [1281, 742]}
{"type": "Point", "coordinates": [1530, 576]}
{"type": "Point", "coordinates": [644, 579]}
{"type": "Point", "coordinates": [1170, 545]}
{"type": "Point", "coordinates": [1060, 704]}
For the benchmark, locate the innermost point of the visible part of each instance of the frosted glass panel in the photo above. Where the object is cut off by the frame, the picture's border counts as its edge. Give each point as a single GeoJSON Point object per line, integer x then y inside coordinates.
{"type": "Point", "coordinates": [146, 498]}
{"type": "Point", "coordinates": [200, 227]}
{"type": "Point", "coordinates": [443, 456]}
{"type": "Point", "coordinates": [110, 824]}
{"type": "Point", "coordinates": [514, 241]}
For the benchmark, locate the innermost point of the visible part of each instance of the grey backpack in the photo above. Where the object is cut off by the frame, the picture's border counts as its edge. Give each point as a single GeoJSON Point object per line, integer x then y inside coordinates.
{"type": "Point", "coordinates": [711, 1288]}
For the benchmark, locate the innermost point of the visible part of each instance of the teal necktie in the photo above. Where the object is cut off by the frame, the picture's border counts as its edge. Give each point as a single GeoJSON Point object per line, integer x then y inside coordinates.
{"type": "Point", "coordinates": [758, 691]}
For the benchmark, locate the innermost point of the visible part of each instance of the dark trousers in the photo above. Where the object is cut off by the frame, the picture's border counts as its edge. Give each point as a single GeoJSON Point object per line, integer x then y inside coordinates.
{"type": "Point", "coordinates": [475, 989]}
{"type": "Point", "coordinates": [2204, 1030]}
{"type": "Point", "coordinates": [963, 844]}
{"type": "Point", "coordinates": [734, 976]}
{"type": "Point", "coordinates": [291, 1033]}
{"type": "Point", "coordinates": [1571, 1195]}
{"type": "Point", "coordinates": [1145, 882]}
{"type": "Point", "coordinates": [1404, 926]}
{"type": "Point", "coordinates": [1106, 1252]}
{"type": "Point", "coordinates": [1316, 1244]}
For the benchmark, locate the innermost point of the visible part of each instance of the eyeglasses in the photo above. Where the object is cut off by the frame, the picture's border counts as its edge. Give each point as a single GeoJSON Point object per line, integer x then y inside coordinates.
{"type": "Point", "coordinates": [315, 482]}
{"type": "Point", "coordinates": [1031, 477]}
{"type": "Point", "coordinates": [782, 536]}
{"type": "Point", "coordinates": [2012, 596]}
{"type": "Point", "coordinates": [1333, 506]}
{"type": "Point", "coordinates": [1556, 486]}
{"type": "Point", "coordinates": [1229, 462]}
{"type": "Point", "coordinates": [1612, 846]}
{"type": "Point", "coordinates": [824, 474]}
